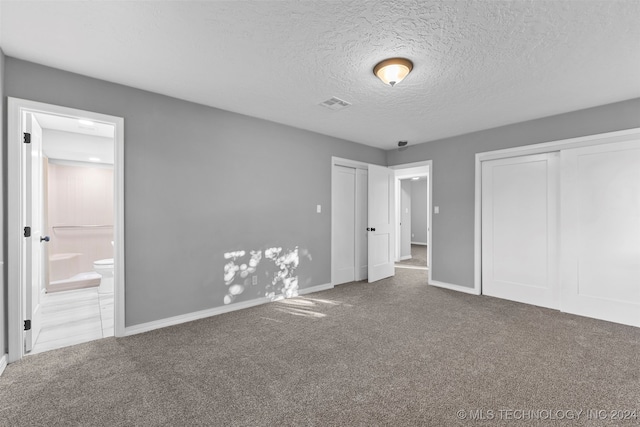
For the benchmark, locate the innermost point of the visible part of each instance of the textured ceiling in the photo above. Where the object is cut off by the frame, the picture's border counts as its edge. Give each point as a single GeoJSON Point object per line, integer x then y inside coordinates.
{"type": "Point", "coordinates": [477, 64]}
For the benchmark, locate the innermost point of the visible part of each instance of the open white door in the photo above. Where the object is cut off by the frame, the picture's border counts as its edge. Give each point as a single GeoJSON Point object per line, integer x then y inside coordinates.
{"type": "Point", "coordinates": [33, 218]}
{"type": "Point", "coordinates": [601, 232]}
{"type": "Point", "coordinates": [381, 227]}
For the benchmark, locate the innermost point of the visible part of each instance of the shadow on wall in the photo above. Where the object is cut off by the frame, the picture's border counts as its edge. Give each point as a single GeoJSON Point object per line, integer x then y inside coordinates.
{"type": "Point", "coordinates": [247, 271]}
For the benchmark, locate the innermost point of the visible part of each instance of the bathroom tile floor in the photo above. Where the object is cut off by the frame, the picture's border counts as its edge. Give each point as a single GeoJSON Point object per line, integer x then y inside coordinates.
{"type": "Point", "coordinates": [74, 317]}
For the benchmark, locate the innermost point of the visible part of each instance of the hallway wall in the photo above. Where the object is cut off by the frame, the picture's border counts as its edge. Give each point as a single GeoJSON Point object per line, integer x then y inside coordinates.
{"type": "Point", "coordinates": [419, 211]}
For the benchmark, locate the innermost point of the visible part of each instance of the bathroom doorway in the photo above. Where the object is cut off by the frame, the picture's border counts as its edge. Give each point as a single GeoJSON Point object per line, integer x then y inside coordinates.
{"type": "Point", "coordinates": [65, 181]}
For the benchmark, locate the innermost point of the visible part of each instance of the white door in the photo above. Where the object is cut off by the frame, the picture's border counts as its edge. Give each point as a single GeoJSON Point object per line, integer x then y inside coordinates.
{"type": "Point", "coordinates": [33, 217]}
{"type": "Point", "coordinates": [344, 227]}
{"type": "Point", "coordinates": [381, 220]}
{"type": "Point", "coordinates": [519, 229]}
{"type": "Point", "coordinates": [601, 232]}
{"type": "Point", "coordinates": [361, 237]}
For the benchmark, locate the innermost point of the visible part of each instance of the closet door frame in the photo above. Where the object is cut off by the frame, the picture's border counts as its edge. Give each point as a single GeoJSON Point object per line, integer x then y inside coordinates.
{"type": "Point", "coordinates": [546, 147]}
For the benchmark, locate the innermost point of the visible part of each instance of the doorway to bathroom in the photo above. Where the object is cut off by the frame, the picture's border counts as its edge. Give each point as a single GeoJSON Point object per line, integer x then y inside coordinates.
{"type": "Point", "coordinates": [65, 216]}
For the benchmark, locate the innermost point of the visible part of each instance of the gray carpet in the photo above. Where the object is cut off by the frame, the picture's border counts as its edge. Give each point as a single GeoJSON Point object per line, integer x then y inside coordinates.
{"type": "Point", "coordinates": [418, 257]}
{"type": "Point", "coordinates": [396, 353]}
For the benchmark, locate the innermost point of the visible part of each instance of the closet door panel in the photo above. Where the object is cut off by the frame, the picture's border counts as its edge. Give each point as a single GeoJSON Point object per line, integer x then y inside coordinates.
{"type": "Point", "coordinates": [344, 188]}
{"type": "Point", "coordinates": [601, 232]}
{"type": "Point", "coordinates": [519, 229]}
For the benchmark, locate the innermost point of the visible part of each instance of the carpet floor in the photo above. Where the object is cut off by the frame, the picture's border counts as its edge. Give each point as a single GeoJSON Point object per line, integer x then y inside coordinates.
{"type": "Point", "coordinates": [395, 352]}
{"type": "Point", "coordinates": [418, 257]}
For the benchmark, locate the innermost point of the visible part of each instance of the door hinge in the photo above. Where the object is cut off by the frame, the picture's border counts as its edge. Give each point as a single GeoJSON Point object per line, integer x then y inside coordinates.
{"type": "Point", "coordinates": [27, 138]}
{"type": "Point", "coordinates": [27, 232]}
{"type": "Point", "coordinates": [27, 325]}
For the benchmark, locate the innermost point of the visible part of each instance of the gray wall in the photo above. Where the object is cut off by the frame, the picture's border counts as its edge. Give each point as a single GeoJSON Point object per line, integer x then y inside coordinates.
{"type": "Point", "coordinates": [405, 217]}
{"type": "Point", "coordinates": [419, 211]}
{"type": "Point", "coordinates": [3, 287]}
{"type": "Point", "coordinates": [200, 182]}
{"type": "Point", "coordinates": [453, 175]}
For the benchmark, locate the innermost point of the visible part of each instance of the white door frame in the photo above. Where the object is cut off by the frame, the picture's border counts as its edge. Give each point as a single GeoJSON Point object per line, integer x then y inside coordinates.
{"type": "Point", "coordinates": [16, 108]}
{"type": "Point", "coordinates": [338, 161]}
{"type": "Point", "coordinates": [429, 174]}
{"type": "Point", "coordinates": [545, 147]}
{"type": "Point", "coordinates": [402, 175]}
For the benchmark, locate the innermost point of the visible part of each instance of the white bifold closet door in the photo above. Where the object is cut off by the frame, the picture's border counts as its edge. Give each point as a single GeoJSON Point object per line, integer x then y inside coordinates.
{"type": "Point", "coordinates": [600, 221]}
{"type": "Point", "coordinates": [349, 254]}
{"type": "Point", "coordinates": [519, 229]}
{"type": "Point", "coordinates": [344, 256]}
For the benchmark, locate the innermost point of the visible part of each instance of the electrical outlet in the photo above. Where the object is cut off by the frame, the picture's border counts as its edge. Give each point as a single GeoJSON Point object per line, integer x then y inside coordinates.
{"type": "Point", "coordinates": [413, 235]}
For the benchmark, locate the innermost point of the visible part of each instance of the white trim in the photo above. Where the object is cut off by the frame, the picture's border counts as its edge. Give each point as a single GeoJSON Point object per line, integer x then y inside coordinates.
{"type": "Point", "coordinates": [339, 161]}
{"type": "Point", "coordinates": [3, 362]}
{"type": "Point", "coordinates": [545, 147]}
{"type": "Point", "coordinates": [412, 165]}
{"type": "Point", "coordinates": [398, 206]}
{"type": "Point", "coordinates": [189, 317]}
{"type": "Point", "coordinates": [16, 107]}
{"type": "Point", "coordinates": [411, 267]}
{"type": "Point", "coordinates": [419, 243]}
{"type": "Point", "coordinates": [317, 288]}
{"type": "Point", "coordinates": [561, 144]}
{"type": "Point", "coordinates": [453, 287]}
{"type": "Point", "coordinates": [202, 314]}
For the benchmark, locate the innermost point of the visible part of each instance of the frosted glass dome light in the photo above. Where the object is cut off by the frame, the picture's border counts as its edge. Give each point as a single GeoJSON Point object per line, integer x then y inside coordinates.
{"type": "Point", "coordinates": [393, 70]}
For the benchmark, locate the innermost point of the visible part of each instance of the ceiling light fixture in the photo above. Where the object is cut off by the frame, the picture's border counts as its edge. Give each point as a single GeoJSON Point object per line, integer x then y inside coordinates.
{"type": "Point", "coordinates": [85, 122]}
{"type": "Point", "coordinates": [94, 159]}
{"type": "Point", "coordinates": [415, 178]}
{"type": "Point", "coordinates": [393, 70]}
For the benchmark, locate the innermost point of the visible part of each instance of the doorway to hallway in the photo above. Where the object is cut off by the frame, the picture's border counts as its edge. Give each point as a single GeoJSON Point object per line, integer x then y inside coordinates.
{"type": "Point", "coordinates": [413, 213]}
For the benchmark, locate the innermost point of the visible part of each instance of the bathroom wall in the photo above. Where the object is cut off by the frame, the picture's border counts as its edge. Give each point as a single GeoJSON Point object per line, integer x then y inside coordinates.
{"type": "Point", "coordinates": [200, 183]}
{"type": "Point", "coordinates": [453, 175]}
{"type": "Point", "coordinates": [79, 196]}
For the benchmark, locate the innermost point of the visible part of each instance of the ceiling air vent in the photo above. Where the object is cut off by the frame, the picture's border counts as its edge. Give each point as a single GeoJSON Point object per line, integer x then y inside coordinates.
{"type": "Point", "coordinates": [335, 104]}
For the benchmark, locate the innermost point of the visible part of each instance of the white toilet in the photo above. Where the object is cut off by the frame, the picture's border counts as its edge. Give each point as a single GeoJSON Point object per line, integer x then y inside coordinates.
{"type": "Point", "coordinates": [104, 267]}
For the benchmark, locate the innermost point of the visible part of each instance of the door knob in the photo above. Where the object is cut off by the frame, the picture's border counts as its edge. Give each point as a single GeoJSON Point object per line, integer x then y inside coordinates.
{"type": "Point", "coordinates": [45, 238]}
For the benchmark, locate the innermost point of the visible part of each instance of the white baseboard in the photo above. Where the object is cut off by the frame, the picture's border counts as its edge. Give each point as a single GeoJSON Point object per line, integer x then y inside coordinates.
{"type": "Point", "coordinates": [3, 362]}
{"type": "Point", "coordinates": [419, 243]}
{"type": "Point", "coordinates": [316, 288]}
{"type": "Point", "coordinates": [411, 267]}
{"type": "Point", "coordinates": [454, 287]}
{"type": "Point", "coordinates": [196, 315]}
